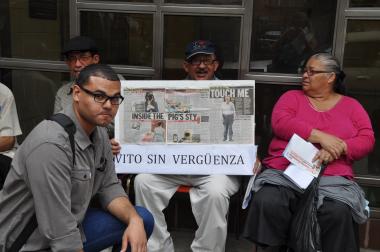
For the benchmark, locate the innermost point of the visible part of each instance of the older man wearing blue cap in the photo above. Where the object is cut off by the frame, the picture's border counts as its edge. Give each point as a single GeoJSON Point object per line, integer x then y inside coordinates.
{"type": "Point", "coordinates": [209, 194]}
{"type": "Point", "coordinates": [201, 62]}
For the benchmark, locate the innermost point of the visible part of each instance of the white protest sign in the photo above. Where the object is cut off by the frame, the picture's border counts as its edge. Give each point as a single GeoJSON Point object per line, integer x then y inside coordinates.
{"type": "Point", "coordinates": [186, 127]}
{"type": "Point", "coordinates": [187, 159]}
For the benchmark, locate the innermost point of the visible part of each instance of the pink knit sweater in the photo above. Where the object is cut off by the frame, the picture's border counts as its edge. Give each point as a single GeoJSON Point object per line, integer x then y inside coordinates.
{"type": "Point", "coordinates": [347, 120]}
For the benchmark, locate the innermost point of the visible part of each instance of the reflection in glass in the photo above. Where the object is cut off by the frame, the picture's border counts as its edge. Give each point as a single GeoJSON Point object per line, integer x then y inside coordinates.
{"type": "Point", "coordinates": [372, 195]}
{"type": "Point", "coordinates": [220, 2]}
{"type": "Point", "coordinates": [364, 3]}
{"type": "Point", "coordinates": [132, 1]}
{"type": "Point", "coordinates": [29, 31]}
{"type": "Point", "coordinates": [125, 39]}
{"type": "Point", "coordinates": [181, 30]}
{"type": "Point", "coordinates": [361, 63]}
{"type": "Point", "coordinates": [286, 33]}
{"type": "Point", "coordinates": [34, 92]}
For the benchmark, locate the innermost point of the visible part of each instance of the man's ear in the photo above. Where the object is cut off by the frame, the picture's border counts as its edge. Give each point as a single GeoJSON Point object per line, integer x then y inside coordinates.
{"type": "Point", "coordinates": [216, 65]}
{"type": "Point", "coordinates": [76, 92]}
{"type": "Point", "coordinates": [186, 66]}
{"type": "Point", "coordinates": [96, 58]}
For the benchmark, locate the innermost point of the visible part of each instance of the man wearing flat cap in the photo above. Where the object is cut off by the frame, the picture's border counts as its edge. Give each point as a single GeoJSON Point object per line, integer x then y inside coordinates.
{"type": "Point", "coordinates": [80, 52]}
{"type": "Point", "coordinates": [209, 194]}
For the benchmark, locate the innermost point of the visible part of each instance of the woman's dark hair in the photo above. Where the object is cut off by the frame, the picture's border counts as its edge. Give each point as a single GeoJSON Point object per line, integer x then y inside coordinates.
{"type": "Point", "coordinates": [332, 64]}
{"type": "Point", "coordinates": [224, 98]}
{"type": "Point", "coordinates": [98, 70]}
{"type": "Point", "coordinates": [149, 96]}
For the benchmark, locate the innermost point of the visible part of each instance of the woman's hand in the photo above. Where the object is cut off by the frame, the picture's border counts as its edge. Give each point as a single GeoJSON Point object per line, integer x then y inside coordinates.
{"type": "Point", "coordinates": [256, 167]}
{"type": "Point", "coordinates": [323, 157]}
{"type": "Point", "coordinates": [332, 144]}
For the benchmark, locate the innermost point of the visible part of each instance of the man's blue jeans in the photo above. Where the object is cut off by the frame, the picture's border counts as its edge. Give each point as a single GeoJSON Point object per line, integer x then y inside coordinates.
{"type": "Point", "coordinates": [103, 230]}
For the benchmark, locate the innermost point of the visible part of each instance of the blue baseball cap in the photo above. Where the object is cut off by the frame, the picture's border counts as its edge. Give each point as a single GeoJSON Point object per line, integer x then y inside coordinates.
{"type": "Point", "coordinates": [199, 47]}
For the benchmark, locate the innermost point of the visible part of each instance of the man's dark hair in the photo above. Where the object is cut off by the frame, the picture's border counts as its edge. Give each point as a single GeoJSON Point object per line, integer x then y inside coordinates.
{"type": "Point", "coordinates": [97, 70]}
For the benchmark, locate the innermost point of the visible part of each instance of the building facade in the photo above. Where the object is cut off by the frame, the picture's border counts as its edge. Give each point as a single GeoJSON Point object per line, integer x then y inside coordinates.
{"type": "Point", "coordinates": [264, 40]}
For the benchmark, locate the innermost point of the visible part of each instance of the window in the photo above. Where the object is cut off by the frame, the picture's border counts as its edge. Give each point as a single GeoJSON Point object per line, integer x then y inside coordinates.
{"type": "Point", "coordinates": [33, 29]}
{"type": "Point", "coordinates": [124, 39]}
{"type": "Point", "coordinates": [126, 1]}
{"type": "Point", "coordinates": [224, 2]}
{"type": "Point", "coordinates": [181, 30]}
{"type": "Point", "coordinates": [286, 33]}
{"type": "Point", "coordinates": [364, 3]}
{"type": "Point", "coordinates": [372, 195]}
{"type": "Point", "coordinates": [34, 92]}
{"type": "Point", "coordinates": [361, 63]}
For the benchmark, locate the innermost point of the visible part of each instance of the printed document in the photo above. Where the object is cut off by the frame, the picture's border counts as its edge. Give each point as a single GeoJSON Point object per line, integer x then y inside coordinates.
{"type": "Point", "coordinates": [248, 192]}
{"type": "Point", "coordinates": [300, 153]}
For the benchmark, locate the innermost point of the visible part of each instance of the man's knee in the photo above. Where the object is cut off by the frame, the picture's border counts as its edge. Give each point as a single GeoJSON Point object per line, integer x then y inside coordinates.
{"type": "Point", "coordinates": [141, 181]}
{"type": "Point", "coordinates": [147, 218]}
{"type": "Point", "coordinates": [221, 186]}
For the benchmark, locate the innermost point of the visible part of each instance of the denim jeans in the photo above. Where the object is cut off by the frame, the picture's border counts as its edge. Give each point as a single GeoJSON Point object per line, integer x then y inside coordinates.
{"type": "Point", "coordinates": [228, 120]}
{"type": "Point", "coordinates": [103, 230]}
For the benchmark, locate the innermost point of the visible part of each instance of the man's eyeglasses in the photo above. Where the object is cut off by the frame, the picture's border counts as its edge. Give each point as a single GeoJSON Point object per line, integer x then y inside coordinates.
{"type": "Point", "coordinates": [103, 98]}
{"type": "Point", "coordinates": [81, 57]}
{"type": "Point", "coordinates": [311, 72]}
{"type": "Point", "coordinates": [206, 61]}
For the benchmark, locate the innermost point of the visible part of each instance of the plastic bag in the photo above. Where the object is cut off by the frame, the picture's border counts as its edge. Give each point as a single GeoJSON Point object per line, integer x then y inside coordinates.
{"type": "Point", "coordinates": [305, 233]}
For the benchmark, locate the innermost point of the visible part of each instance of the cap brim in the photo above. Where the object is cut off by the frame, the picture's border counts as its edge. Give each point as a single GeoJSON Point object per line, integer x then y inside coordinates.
{"type": "Point", "coordinates": [191, 55]}
{"type": "Point", "coordinates": [80, 50]}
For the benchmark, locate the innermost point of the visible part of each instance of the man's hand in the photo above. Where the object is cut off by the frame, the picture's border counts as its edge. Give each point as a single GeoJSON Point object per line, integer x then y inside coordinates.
{"type": "Point", "coordinates": [115, 146]}
{"type": "Point", "coordinates": [257, 167]}
{"type": "Point", "coordinates": [7, 143]}
{"type": "Point", "coordinates": [134, 236]}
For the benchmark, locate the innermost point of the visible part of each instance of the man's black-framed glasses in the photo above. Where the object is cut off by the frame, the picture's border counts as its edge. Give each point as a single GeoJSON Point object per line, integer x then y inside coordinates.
{"type": "Point", "coordinates": [103, 98]}
{"type": "Point", "coordinates": [311, 72]}
{"type": "Point", "coordinates": [198, 61]}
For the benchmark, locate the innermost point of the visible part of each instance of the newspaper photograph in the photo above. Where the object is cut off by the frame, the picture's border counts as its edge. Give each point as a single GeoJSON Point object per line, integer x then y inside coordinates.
{"type": "Point", "coordinates": [144, 120]}
{"type": "Point", "coordinates": [213, 114]}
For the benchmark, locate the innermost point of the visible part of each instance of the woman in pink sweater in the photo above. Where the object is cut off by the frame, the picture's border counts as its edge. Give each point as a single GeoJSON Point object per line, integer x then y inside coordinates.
{"type": "Point", "coordinates": [340, 127]}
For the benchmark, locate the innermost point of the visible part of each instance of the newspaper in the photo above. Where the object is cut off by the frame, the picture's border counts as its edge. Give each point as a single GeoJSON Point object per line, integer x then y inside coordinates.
{"type": "Point", "coordinates": [300, 153]}
{"type": "Point", "coordinates": [186, 113]}
{"type": "Point", "coordinates": [182, 116]}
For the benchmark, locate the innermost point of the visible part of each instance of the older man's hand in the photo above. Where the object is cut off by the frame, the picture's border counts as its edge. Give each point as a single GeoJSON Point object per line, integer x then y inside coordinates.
{"type": "Point", "coordinates": [257, 167]}
{"type": "Point", "coordinates": [115, 146]}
